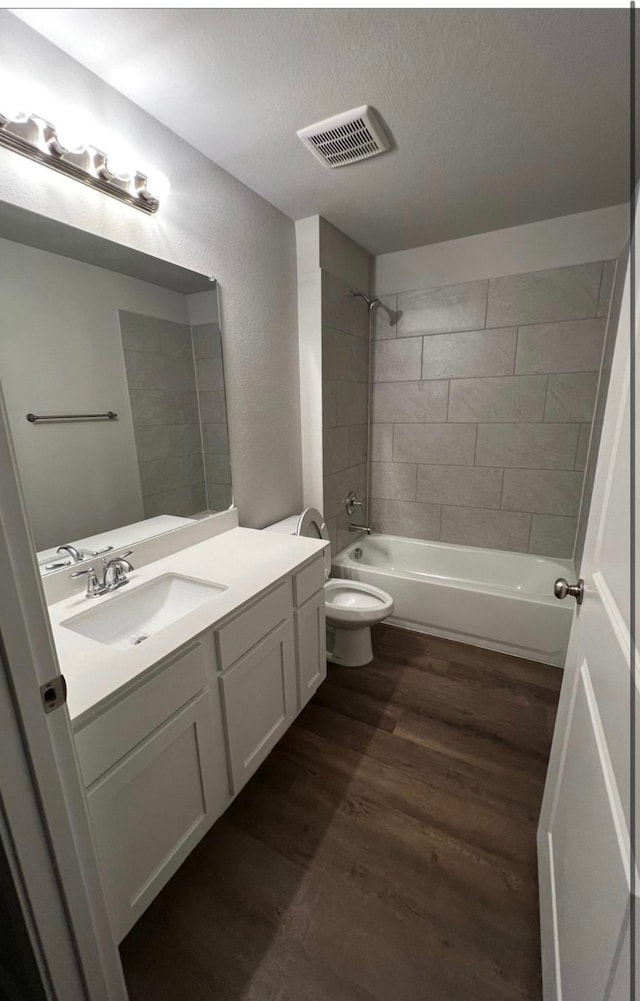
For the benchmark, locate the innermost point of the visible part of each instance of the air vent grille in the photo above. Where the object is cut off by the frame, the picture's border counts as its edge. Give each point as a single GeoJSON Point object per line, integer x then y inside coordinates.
{"type": "Point", "coordinates": [353, 135]}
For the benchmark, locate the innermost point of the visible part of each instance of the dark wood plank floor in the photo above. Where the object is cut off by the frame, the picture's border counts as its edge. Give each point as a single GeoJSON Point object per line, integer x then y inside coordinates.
{"type": "Point", "coordinates": [384, 852]}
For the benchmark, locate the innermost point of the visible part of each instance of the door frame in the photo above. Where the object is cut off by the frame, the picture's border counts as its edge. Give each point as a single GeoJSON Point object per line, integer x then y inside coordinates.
{"type": "Point", "coordinates": [44, 822]}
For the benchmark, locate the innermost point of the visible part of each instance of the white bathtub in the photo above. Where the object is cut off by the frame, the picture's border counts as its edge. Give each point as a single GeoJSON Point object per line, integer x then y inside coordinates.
{"type": "Point", "coordinates": [492, 599]}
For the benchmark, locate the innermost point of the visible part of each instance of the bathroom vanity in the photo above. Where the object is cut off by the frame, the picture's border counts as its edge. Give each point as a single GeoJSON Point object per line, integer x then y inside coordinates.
{"type": "Point", "coordinates": [168, 729]}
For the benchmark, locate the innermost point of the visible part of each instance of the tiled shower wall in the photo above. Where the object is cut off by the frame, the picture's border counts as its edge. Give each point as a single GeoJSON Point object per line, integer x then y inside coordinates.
{"type": "Point", "coordinates": [482, 401]}
{"type": "Point", "coordinates": [345, 399]}
{"type": "Point", "coordinates": [176, 388]}
{"type": "Point", "coordinates": [207, 353]}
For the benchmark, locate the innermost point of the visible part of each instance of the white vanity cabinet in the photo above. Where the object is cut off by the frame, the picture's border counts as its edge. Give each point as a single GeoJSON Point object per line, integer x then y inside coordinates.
{"type": "Point", "coordinates": [154, 766]}
{"type": "Point", "coordinates": [162, 761]}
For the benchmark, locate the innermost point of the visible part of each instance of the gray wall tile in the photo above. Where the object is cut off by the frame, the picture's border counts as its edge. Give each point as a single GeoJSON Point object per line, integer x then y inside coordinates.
{"type": "Point", "coordinates": [608, 275]}
{"type": "Point", "coordinates": [153, 442]}
{"type": "Point", "coordinates": [393, 480]}
{"type": "Point", "coordinates": [329, 391]}
{"type": "Point", "coordinates": [351, 403]}
{"type": "Point", "coordinates": [336, 489]}
{"type": "Point", "coordinates": [397, 360]}
{"type": "Point", "coordinates": [542, 296]}
{"type": "Point", "coordinates": [357, 444]}
{"type": "Point", "coordinates": [574, 346]}
{"type": "Point", "coordinates": [452, 307]}
{"type": "Point", "coordinates": [509, 398]}
{"type": "Point", "coordinates": [474, 352]}
{"type": "Point", "coordinates": [139, 333]}
{"type": "Point", "coordinates": [583, 446]}
{"type": "Point", "coordinates": [344, 357]}
{"type": "Point", "coordinates": [383, 328]}
{"type": "Point", "coordinates": [175, 340]}
{"type": "Point", "coordinates": [219, 496]}
{"type": "Point", "coordinates": [207, 341]}
{"type": "Point", "coordinates": [571, 396]}
{"type": "Point", "coordinates": [543, 491]}
{"type": "Point", "coordinates": [186, 439]}
{"type": "Point", "coordinates": [335, 449]}
{"type": "Point", "coordinates": [531, 446]}
{"type": "Point", "coordinates": [552, 535]}
{"type": "Point", "coordinates": [467, 486]}
{"type": "Point", "coordinates": [336, 303]}
{"type": "Point", "coordinates": [210, 376]}
{"type": "Point", "coordinates": [359, 319]}
{"type": "Point", "coordinates": [468, 526]}
{"type": "Point", "coordinates": [212, 407]}
{"type": "Point", "coordinates": [403, 402]}
{"type": "Point", "coordinates": [216, 439]}
{"type": "Point", "coordinates": [406, 518]}
{"type": "Point", "coordinates": [381, 442]}
{"type": "Point", "coordinates": [177, 502]}
{"type": "Point", "coordinates": [435, 443]}
{"type": "Point", "coordinates": [217, 468]}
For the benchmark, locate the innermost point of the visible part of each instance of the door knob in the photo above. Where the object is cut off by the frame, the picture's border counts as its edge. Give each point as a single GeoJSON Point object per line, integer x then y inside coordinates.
{"type": "Point", "coordinates": [562, 588]}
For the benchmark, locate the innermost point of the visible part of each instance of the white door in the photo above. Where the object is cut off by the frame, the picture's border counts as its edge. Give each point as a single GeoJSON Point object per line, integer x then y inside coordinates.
{"type": "Point", "coordinates": [584, 849]}
{"type": "Point", "coordinates": [44, 825]}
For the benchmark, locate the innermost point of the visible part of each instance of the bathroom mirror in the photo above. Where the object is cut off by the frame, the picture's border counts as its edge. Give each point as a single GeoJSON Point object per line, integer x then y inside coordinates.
{"type": "Point", "coordinates": [112, 374]}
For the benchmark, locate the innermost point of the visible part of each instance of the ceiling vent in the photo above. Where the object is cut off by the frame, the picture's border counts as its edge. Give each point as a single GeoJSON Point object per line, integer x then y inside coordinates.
{"type": "Point", "coordinates": [353, 135]}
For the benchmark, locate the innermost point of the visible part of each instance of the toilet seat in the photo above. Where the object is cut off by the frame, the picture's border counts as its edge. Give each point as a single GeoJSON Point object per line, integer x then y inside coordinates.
{"type": "Point", "coordinates": [352, 603]}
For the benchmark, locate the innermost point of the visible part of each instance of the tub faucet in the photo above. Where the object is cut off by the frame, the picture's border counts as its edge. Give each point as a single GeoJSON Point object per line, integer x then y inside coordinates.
{"type": "Point", "coordinates": [359, 528]}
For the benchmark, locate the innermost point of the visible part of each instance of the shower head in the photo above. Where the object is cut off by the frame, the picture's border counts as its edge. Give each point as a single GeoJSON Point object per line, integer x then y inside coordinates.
{"type": "Point", "coordinates": [371, 303]}
{"type": "Point", "coordinates": [393, 314]}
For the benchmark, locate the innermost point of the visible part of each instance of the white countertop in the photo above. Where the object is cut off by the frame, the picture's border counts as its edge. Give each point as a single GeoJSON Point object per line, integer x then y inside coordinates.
{"type": "Point", "coordinates": [245, 560]}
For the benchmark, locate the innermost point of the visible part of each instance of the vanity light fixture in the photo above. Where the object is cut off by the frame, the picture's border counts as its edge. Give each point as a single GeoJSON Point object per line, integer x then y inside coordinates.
{"type": "Point", "coordinates": [37, 139]}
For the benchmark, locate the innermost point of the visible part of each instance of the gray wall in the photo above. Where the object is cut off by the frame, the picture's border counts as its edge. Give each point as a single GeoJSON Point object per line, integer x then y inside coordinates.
{"type": "Point", "coordinates": [482, 401]}
{"type": "Point", "coordinates": [209, 222]}
{"type": "Point", "coordinates": [345, 379]}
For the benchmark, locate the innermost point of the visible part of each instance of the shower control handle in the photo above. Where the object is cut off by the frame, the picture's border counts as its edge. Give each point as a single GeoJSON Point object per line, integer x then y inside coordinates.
{"type": "Point", "coordinates": [562, 589]}
{"type": "Point", "coordinates": [352, 503]}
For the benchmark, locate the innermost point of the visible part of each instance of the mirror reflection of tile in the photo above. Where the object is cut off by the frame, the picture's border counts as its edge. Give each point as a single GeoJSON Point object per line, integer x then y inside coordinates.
{"type": "Point", "coordinates": [176, 389]}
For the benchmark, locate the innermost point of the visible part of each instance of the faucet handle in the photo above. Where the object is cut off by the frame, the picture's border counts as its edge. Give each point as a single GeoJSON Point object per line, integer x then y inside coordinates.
{"type": "Point", "coordinates": [352, 502]}
{"type": "Point", "coordinates": [94, 587]}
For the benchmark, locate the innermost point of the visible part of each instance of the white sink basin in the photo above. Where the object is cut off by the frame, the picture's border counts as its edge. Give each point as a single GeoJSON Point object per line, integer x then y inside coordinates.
{"type": "Point", "coordinates": [131, 616]}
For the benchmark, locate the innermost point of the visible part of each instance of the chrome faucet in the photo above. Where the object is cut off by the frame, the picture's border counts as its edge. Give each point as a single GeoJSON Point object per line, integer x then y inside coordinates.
{"type": "Point", "coordinates": [72, 551]}
{"type": "Point", "coordinates": [359, 528]}
{"type": "Point", "coordinates": [114, 575]}
{"type": "Point", "coordinates": [78, 555]}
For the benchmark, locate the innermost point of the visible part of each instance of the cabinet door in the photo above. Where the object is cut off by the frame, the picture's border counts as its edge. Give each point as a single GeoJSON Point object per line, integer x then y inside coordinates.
{"type": "Point", "coordinates": [259, 701]}
{"type": "Point", "coordinates": [311, 647]}
{"type": "Point", "coordinates": [150, 810]}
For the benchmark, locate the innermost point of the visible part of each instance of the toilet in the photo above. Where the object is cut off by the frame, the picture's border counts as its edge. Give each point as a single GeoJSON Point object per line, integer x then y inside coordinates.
{"type": "Point", "coordinates": [351, 606]}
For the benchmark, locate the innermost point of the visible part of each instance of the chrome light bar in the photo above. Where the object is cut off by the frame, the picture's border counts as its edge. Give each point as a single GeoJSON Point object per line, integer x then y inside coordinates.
{"type": "Point", "coordinates": [36, 139]}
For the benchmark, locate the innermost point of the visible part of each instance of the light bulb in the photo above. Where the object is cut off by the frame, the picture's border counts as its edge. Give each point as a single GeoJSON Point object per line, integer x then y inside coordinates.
{"type": "Point", "coordinates": [158, 184]}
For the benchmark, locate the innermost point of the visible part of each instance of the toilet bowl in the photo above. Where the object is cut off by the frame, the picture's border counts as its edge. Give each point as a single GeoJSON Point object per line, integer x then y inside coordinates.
{"type": "Point", "coordinates": [351, 607]}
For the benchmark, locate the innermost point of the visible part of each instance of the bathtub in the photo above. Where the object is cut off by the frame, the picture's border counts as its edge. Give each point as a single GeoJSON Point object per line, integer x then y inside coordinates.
{"type": "Point", "coordinates": [497, 600]}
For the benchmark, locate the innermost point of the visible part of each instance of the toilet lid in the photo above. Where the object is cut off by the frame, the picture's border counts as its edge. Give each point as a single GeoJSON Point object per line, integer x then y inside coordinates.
{"type": "Point", "coordinates": [311, 525]}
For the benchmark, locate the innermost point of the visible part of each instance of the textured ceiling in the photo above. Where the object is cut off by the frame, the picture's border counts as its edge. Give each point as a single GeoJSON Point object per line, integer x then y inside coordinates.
{"type": "Point", "coordinates": [499, 116]}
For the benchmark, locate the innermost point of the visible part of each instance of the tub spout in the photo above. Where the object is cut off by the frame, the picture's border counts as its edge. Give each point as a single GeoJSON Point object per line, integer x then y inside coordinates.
{"type": "Point", "coordinates": [360, 528]}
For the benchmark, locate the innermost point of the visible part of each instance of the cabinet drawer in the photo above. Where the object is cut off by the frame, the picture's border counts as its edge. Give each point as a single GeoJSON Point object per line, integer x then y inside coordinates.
{"type": "Point", "coordinates": [243, 632]}
{"type": "Point", "coordinates": [308, 582]}
{"type": "Point", "coordinates": [115, 732]}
